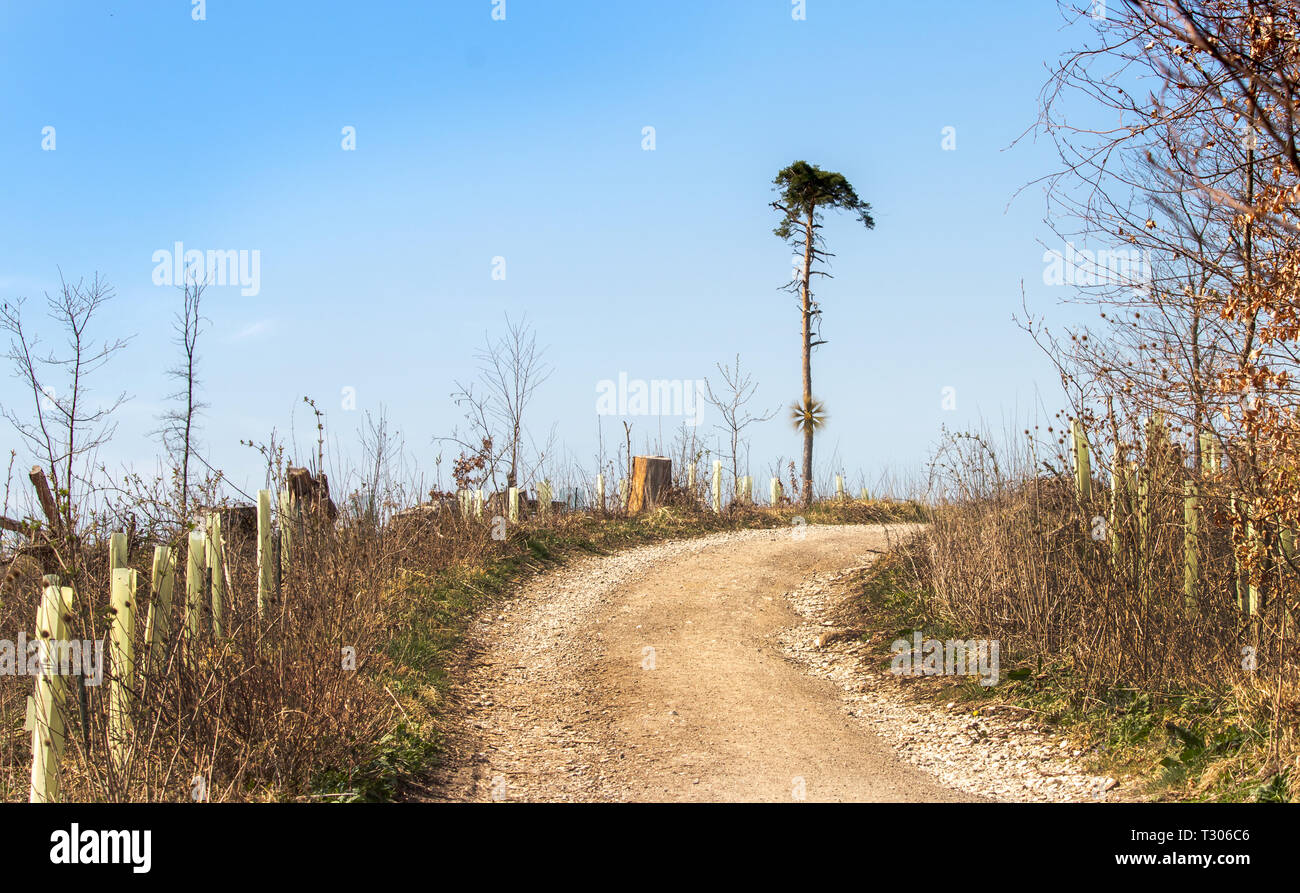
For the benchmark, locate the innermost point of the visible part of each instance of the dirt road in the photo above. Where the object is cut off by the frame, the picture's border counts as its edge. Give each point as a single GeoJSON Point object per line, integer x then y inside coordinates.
{"type": "Point", "coordinates": [656, 675]}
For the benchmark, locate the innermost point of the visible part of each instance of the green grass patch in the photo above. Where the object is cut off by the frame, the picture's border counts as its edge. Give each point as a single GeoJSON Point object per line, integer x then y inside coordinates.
{"type": "Point", "coordinates": [401, 754]}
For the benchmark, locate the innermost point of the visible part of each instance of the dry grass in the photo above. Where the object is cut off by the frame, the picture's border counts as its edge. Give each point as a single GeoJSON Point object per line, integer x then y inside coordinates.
{"type": "Point", "coordinates": [270, 711]}
{"type": "Point", "coordinates": [1094, 632]}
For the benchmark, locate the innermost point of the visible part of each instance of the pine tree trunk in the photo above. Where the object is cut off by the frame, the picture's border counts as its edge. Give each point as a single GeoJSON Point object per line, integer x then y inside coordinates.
{"type": "Point", "coordinates": [805, 493]}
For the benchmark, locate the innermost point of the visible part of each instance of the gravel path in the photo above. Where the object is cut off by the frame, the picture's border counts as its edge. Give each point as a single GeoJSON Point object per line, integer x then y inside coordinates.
{"type": "Point", "coordinates": [693, 671]}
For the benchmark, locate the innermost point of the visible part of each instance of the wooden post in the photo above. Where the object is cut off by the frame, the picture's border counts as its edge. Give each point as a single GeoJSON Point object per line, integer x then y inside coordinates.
{"type": "Point", "coordinates": [1130, 526]}
{"type": "Point", "coordinates": [1157, 435]}
{"type": "Point", "coordinates": [1243, 594]}
{"type": "Point", "coordinates": [600, 493]}
{"type": "Point", "coordinates": [1191, 560]}
{"type": "Point", "coordinates": [839, 487]}
{"type": "Point", "coordinates": [1141, 549]}
{"type": "Point", "coordinates": [652, 478]}
{"type": "Point", "coordinates": [121, 650]}
{"type": "Point", "coordinates": [1209, 455]}
{"type": "Point", "coordinates": [265, 555]}
{"type": "Point", "coordinates": [196, 577]}
{"type": "Point", "coordinates": [514, 505]}
{"type": "Point", "coordinates": [690, 479]}
{"type": "Point", "coordinates": [1082, 462]}
{"type": "Point", "coordinates": [288, 524]}
{"type": "Point", "coordinates": [717, 486]}
{"type": "Point", "coordinates": [1144, 509]}
{"type": "Point", "coordinates": [1118, 498]}
{"type": "Point", "coordinates": [1252, 541]}
{"type": "Point", "coordinates": [1249, 597]}
{"type": "Point", "coordinates": [544, 499]}
{"type": "Point", "coordinates": [45, 710]}
{"type": "Point", "coordinates": [1286, 545]}
{"type": "Point", "coordinates": [277, 569]}
{"type": "Point", "coordinates": [215, 557]}
{"type": "Point", "coordinates": [158, 623]}
{"type": "Point", "coordinates": [117, 552]}
{"type": "Point", "coordinates": [478, 502]}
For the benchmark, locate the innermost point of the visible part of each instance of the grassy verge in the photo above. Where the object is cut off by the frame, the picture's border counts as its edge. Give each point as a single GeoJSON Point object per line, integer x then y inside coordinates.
{"type": "Point", "coordinates": [1208, 744]}
{"type": "Point", "coordinates": [435, 608]}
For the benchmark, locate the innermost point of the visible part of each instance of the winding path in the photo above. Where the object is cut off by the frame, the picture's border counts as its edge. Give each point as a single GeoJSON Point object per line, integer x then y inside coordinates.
{"type": "Point", "coordinates": [655, 675]}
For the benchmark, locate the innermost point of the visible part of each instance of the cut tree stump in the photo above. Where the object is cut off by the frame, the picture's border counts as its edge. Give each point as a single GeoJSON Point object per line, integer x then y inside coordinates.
{"type": "Point", "coordinates": [652, 478]}
{"type": "Point", "coordinates": [310, 493]}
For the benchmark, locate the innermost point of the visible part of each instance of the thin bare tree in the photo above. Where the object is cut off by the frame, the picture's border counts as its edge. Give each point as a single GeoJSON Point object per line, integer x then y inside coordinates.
{"type": "Point", "coordinates": [179, 424]}
{"type": "Point", "coordinates": [381, 448]}
{"type": "Point", "coordinates": [731, 397]}
{"type": "Point", "coordinates": [510, 370]}
{"type": "Point", "coordinates": [65, 427]}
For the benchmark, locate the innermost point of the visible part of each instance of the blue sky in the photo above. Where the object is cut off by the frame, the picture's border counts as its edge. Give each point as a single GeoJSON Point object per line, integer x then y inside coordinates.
{"type": "Point", "coordinates": [523, 139]}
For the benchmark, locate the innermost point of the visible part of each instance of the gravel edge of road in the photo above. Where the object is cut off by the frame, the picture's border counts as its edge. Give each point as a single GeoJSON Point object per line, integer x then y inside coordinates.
{"type": "Point", "coordinates": [986, 753]}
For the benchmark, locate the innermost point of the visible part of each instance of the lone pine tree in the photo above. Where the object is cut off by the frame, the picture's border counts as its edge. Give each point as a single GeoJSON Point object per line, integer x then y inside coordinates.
{"type": "Point", "coordinates": [805, 192]}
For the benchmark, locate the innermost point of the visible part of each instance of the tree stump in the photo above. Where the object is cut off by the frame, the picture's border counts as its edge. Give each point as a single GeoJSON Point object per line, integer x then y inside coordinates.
{"type": "Point", "coordinates": [652, 478]}
{"type": "Point", "coordinates": [311, 493]}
